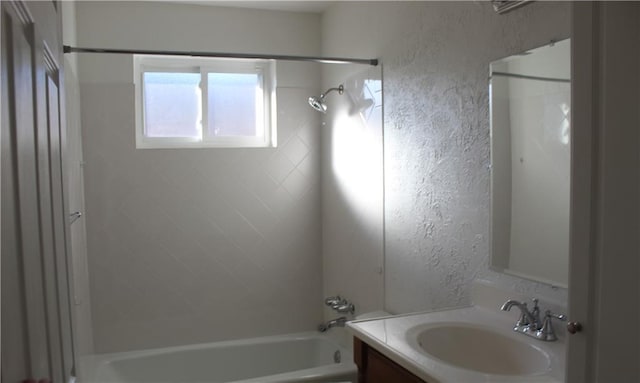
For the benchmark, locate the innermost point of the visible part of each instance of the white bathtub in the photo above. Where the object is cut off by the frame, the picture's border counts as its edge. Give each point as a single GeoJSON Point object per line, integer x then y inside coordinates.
{"type": "Point", "coordinates": [305, 357]}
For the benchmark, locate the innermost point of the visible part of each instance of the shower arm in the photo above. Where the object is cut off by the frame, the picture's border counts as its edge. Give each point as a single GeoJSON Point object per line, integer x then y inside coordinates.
{"type": "Point", "coordinates": [340, 90]}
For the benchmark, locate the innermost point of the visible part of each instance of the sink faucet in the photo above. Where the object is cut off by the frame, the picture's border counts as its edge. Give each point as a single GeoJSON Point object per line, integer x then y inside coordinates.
{"type": "Point", "coordinates": [529, 322]}
{"type": "Point", "coordinates": [527, 318]}
{"type": "Point", "coordinates": [338, 322]}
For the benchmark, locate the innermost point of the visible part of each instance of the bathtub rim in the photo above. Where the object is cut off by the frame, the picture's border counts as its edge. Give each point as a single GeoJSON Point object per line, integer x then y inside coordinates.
{"type": "Point", "coordinates": [90, 364]}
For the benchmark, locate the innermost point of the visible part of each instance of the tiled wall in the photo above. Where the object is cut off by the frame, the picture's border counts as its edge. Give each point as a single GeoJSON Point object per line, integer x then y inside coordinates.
{"type": "Point", "coordinates": [435, 64]}
{"type": "Point", "coordinates": [189, 246]}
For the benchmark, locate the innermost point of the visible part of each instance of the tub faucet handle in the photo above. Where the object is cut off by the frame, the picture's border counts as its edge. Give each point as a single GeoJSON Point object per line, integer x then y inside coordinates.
{"type": "Point", "coordinates": [345, 308]}
{"type": "Point", "coordinates": [332, 301]}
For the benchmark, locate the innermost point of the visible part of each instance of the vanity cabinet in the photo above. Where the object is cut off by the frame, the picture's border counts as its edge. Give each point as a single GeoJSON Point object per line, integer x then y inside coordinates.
{"type": "Point", "coordinates": [373, 367]}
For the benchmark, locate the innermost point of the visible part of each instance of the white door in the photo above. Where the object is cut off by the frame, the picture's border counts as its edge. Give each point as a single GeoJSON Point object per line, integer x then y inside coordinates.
{"type": "Point", "coordinates": [604, 294]}
{"type": "Point", "coordinates": [36, 321]}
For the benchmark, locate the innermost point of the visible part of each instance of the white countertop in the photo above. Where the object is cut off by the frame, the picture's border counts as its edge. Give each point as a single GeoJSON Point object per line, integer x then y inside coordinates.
{"type": "Point", "coordinates": [389, 336]}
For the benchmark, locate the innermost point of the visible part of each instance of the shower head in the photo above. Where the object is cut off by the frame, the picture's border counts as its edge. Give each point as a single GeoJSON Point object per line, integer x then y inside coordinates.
{"type": "Point", "coordinates": [318, 104]}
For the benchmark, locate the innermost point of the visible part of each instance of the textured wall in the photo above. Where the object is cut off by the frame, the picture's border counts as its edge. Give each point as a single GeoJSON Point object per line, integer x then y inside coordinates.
{"type": "Point", "coordinates": [195, 245]}
{"type": "Point", "coordinates": [436, 134]}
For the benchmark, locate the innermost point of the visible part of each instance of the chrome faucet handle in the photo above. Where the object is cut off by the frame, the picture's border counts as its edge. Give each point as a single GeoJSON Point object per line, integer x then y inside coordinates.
{"type": "Point", "coordinates": [345, 308]}
{"type": "Point", "coordinates": [332, 301]}
{"type": "Point", "coordinates": [546, 331]}
{"type": "Point", "coordinates": [535, 312]}
{"type": "Point", "coordinates": [339, 303]}
{"type": "Point", "coordinates": [549, 314]}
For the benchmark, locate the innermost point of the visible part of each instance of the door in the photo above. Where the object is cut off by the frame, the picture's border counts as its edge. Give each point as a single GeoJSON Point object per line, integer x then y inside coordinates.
{"type": "Point", "coordinates": [36, 321]}
{"type": "Point", "coordinates": [604, 294]}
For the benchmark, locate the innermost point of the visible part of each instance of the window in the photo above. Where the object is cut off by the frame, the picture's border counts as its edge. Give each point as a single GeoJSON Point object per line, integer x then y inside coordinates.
{"type": "Point", "coordinates": [193, 102]}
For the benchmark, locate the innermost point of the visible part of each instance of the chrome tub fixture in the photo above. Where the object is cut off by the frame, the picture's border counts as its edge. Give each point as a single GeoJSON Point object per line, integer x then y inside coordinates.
{"type": "Point", "coordinates": [340, 305]}
{"type": "Point", "coordinates": [338, 322]}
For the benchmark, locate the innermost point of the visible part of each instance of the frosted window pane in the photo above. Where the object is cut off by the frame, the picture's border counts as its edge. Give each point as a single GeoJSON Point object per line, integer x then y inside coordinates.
{"type": "Point", "coordinates": [233, 99]}
{"type": "Point", "coordinates": [172, 104]}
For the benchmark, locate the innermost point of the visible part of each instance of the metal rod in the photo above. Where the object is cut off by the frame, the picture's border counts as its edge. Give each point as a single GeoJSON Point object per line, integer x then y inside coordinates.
{"type": "Point", "coordinates": [324, 60]}
{"type": "Point", "coordinates": [526, 77]}
{"type": "Point", "coordinates": [503, 6]}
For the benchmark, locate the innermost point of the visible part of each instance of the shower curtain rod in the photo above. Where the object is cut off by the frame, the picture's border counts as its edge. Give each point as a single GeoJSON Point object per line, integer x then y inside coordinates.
{"type": "Point", "coordinates": [324, 60]}
{"type": "Point", "coordinates": [526, 77]}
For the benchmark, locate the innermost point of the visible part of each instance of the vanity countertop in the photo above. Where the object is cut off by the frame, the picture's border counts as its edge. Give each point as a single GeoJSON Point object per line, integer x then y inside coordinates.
{"type": "Point", "coordinates": [392, 337]}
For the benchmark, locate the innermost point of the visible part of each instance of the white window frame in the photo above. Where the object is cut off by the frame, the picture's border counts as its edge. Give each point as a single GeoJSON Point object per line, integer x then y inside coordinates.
{"type": "Point", "coordinates": [264, 68]}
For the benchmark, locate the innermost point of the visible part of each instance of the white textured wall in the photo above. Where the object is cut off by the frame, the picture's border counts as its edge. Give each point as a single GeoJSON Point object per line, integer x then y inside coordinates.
{"type": "Point", "coordinates": [196, 245]}
{"type": "Point", "coordinates": [435, 61]}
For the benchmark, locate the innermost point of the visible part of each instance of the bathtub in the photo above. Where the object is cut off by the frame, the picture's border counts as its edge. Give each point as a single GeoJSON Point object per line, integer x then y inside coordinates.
{"type": "Point", "coordinates": [304, 357]}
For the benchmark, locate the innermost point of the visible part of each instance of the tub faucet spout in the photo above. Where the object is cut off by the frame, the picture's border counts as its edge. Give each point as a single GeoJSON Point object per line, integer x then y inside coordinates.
{"type": "Point", "coordinates": [338, 322]}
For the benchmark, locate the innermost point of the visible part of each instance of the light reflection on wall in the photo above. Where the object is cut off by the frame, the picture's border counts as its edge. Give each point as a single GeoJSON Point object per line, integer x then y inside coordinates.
{"type": "Point", "coordinates": [357, 147]}
{"type": "Point", "coordinates": [565, 130]}
{"type": "Point", "coordinates": [352, 201]}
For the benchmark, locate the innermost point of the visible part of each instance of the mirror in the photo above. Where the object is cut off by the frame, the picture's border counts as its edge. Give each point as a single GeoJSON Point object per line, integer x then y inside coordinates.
{"type": "Point", "coordinates": [530, 107]}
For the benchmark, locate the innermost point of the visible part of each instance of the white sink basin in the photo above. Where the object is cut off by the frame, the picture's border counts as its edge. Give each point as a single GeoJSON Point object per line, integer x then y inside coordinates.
{"type": "Point", "coordinates": [479, 349]}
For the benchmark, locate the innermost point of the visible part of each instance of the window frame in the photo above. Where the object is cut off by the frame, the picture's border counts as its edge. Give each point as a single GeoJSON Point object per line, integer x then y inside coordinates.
{"type": "Point", "coordinates": [266, 71]}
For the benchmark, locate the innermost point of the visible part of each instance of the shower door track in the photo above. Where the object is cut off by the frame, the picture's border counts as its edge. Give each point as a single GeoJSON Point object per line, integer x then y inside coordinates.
{"type": "Point", "coordinates": [255, 56]}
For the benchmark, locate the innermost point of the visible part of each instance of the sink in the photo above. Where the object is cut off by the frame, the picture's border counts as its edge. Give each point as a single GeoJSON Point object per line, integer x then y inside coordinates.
{"type": "Point", "coordinates": [479, 349]}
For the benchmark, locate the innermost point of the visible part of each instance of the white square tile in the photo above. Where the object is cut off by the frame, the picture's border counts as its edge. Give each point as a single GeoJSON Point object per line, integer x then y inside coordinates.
{"type": "Point", "coordinates": [296, 184]}
{"type": "Point", "coordinates": [279, 167]}
{"type": "Point", "coordinates": [295, 150]}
